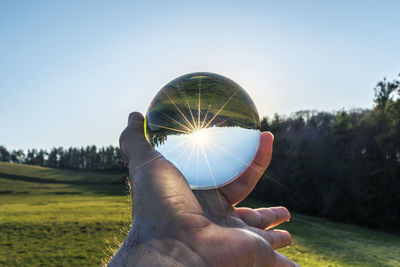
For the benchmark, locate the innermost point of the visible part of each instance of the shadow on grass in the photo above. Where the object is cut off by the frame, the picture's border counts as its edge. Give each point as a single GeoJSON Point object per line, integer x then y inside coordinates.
{"type": "Point", "coordinates": [27, 185]}
{"type": "Point", "coordinates": [48, 181]}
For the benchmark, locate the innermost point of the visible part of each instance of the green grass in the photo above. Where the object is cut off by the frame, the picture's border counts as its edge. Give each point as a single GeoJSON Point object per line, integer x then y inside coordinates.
{"type": "Point", "coordinates": [51, 217]}
{"type": "Point", "coordinates": [318, 242]}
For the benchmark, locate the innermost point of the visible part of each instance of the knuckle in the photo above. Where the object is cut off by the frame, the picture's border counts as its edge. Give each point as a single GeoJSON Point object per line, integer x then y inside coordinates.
{"type": "Point", "coordinates": [262, 221]}
{"type": "Point", "coordinates": [272, 239]}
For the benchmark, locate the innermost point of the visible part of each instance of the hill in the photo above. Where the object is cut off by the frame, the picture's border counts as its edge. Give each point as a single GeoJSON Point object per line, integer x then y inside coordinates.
{"type": "Point", "coordinates": [57, 217]}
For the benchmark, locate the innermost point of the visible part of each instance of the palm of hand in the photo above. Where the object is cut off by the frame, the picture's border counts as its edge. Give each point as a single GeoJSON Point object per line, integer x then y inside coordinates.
{"type": "Point", "coordinates": [203, 223]}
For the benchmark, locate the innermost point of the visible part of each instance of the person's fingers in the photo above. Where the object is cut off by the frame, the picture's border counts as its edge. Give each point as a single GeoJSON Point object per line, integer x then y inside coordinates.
{"type": "Point", "coordinates": [276, 238]}
{"type": "Point", "coordinates": [240, 188]}
{"type": "Point", "coordinates": [282, 261]}
{"type": "Point", "coordinates": [263, 218]}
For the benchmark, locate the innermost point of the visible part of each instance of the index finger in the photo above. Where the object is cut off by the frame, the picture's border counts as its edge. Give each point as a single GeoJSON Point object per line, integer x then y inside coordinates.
{"type": "Point", "coordinates": [263, 218]}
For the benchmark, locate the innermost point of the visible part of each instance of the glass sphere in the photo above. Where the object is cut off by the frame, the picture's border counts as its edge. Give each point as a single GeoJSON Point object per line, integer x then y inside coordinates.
{"type": "Point", "coordinates": [207, 126]}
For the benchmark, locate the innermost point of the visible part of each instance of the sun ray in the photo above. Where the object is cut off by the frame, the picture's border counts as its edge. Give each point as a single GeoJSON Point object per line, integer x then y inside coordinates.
{"type": "Point", "coordinates": [251, 166]}
{"type": "Point", "coordinates": [160, 126]}
{"type": "Point", "coordinates": [168, 128]}
{"type": "Point", "coordinates": [159, 155]}
{"type": "Point", "coordinates": [183, 151]}
{"type": "Point", "coordinates": [190, 110]}
{"type": "Point", "coordinates": [199, 105]}
{"type": "Point", "coordinates": [147, 162]}
{"type": "Point", "coordinates": [189, 130]}
{"type": "Point", "coordinates": [198, 159]}
{"type": "Point", "coordinates": [217, 158]}
{"type": "Point", "coordinates": [218, 124]}
{"type": "Point", "coordinates": [172, 101]}
{"type": "Point", "coordinates": [223, 106]}
{"type": "Point", "coordinates": [189, 157]}
{"type": "Point", "coordinates": [212, 176]}
{"type": "Point", "coordinates": [205, 117]}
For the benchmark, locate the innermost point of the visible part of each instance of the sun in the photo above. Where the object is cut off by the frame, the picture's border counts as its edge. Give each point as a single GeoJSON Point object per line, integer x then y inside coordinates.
{"type": "Point", "coordinates": [198, 136]}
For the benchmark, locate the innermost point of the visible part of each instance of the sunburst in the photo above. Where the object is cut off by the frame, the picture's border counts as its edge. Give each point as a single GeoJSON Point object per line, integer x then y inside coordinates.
{"type": "Point", "coordinates": [194, 126]}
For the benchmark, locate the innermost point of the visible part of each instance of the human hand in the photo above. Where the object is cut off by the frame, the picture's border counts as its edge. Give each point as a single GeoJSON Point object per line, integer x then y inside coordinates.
{"type": "Point", "coordinates": [173, 225]}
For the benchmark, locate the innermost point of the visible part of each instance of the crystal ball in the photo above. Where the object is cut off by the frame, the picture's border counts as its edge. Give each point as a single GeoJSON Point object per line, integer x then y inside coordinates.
{"type": "Point", "coordinates": [207, 126]}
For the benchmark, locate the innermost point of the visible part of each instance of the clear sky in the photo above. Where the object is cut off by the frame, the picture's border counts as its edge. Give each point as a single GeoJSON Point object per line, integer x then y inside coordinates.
{"type": "Point", "coordinates": [71, 71]}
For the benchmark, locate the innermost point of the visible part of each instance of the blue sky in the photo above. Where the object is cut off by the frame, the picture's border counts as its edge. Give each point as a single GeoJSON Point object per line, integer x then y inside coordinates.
{"type": "Point", "coordinates": [71, 71]}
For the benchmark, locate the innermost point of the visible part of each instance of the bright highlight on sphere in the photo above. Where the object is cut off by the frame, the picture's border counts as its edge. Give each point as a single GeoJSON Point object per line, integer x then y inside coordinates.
{"type": "Point", "coordinates": [198, 137]}
{"type": "Point", "coordinates": [207, 126]}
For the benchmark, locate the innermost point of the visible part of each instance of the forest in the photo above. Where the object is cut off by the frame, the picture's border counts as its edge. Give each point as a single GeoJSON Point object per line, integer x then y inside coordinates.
{"type": "Point", "coordinates": [343, 165]}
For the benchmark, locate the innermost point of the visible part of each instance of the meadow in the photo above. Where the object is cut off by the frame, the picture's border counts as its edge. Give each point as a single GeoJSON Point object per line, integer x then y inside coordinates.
{"type": "Point", "coordinates": [53, 217]}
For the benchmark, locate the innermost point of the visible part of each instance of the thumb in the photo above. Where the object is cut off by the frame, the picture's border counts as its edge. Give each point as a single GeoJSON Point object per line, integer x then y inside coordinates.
{"type": "Point", "coordinates": [158, 187]}
{"type": "Point", "coordinates": [134, 146]}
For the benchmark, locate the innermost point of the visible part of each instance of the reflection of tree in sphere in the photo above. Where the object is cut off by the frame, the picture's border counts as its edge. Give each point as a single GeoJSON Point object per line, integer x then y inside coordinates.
{"type": "Point", "coordinates": [206, 125]}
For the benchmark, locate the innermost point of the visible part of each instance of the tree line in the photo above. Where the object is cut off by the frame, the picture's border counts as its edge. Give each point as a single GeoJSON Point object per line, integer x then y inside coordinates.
{"type": "Point", "coordinates": [84, 158]}
{"type": "Point", "coordinates": [342, 165]}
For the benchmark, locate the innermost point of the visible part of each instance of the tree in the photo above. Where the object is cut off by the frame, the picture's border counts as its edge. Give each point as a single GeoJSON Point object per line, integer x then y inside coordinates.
{"type": "Point", "coordinates": [4, 154]}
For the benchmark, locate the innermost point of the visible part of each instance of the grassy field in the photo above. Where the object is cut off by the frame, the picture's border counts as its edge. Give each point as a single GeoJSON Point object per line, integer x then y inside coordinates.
{"type": "Point", "coordinates": [51, 217]}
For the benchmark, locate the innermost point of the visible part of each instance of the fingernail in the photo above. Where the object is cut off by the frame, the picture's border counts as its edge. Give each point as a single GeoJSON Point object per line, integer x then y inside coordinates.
{"type": "Point", "coordinates": [286, 236]}
{"type": "Point", "coordinates": [134, 117]}
{"type": "Point", "coordinates": [273, 137]}
{"type": "Point", "coordinates": [282, 213]}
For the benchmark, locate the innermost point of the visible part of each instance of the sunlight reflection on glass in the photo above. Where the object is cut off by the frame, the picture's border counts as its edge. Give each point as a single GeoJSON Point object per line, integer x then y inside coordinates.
{"type": "Point", "coordinates": [207, 126]}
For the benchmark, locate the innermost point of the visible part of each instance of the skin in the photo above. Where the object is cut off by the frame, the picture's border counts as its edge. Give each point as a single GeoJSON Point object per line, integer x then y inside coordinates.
{"type": "Point", "coordinates": [175, 226]}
